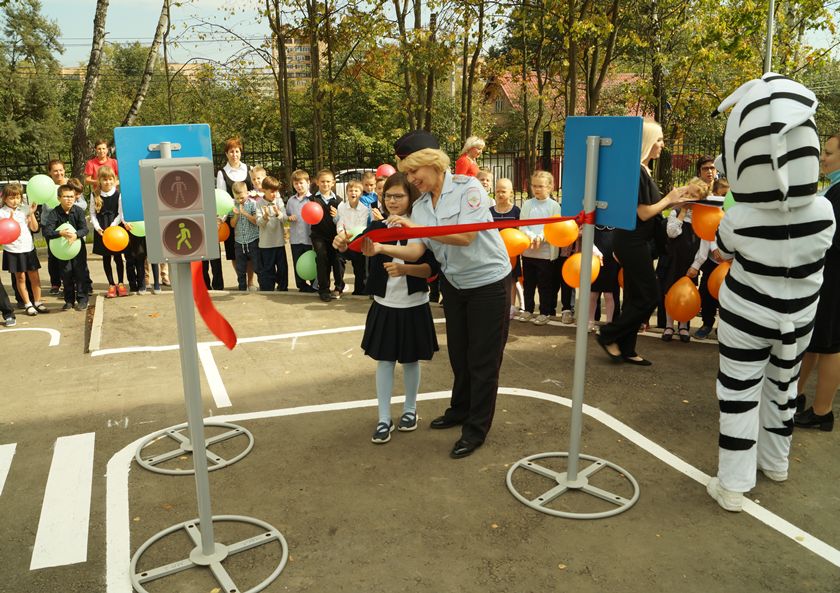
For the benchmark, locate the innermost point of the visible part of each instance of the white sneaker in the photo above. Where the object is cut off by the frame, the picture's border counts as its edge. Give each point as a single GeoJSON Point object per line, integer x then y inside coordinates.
{"type": "Point", "coordinates": [540, 320]}
{"type": "Point", "coordinates": [513, 311]}
{"type": "Point", "coordinates": [773, 475]}
{"type": "Point", "coordinates": [593, 327]}
{"type": "Point", "coordinates": [253, 288]}
{"type": "Point", "coordinates": [728, 500]}
{"type": "Point", "coordinates": [567, 317]}
{"type": "Point", "coordinates": [524, 316]}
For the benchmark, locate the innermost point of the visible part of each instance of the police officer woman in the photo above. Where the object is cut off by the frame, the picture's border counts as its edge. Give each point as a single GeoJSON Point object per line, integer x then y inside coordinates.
{"type": "Point", "coordinates": [475, 283]}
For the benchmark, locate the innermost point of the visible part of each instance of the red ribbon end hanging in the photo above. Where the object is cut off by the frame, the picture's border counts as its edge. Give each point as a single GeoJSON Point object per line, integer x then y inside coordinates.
{"type": "Point", "coordinates": [214, 320]}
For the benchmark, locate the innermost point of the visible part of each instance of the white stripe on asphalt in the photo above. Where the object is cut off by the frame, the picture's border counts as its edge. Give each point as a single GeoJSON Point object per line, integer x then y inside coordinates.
{"type": "Point", "coordinates": [7, 452]}
{"type": "Point", "coordinates": [55, 335]}
{"type": "Point", "coordinates": [214, 379]}
{"type": "Point", "coordinates": [62, 536]}
{"type": "Point", "coordinates": [118, 523]}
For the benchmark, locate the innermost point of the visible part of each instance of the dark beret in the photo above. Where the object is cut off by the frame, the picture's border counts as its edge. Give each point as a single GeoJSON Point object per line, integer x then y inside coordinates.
{"type": "Point", "coordinates": [414, 141]}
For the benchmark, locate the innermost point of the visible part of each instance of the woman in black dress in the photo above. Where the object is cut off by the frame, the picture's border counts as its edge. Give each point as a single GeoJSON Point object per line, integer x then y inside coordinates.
{"type": "Point", "coordinates": [632, 249]}
{"type": "Point", "coordinates": [824, 351]}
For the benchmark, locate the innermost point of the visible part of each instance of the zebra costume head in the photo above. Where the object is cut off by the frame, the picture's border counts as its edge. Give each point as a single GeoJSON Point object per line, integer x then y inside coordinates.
{"type": "Point", "coordinates": [771, 148]}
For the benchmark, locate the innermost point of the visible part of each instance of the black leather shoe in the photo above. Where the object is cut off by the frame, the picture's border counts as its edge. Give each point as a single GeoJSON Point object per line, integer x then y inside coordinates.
{"type": "Point", "coordinates": [444, 422]}
{"type": "Point", "coordinates": [808, 419]}
{"type": "Point", "coordinates": [800, 403]}
{"type": "Point", "coordinates": [463, 448]}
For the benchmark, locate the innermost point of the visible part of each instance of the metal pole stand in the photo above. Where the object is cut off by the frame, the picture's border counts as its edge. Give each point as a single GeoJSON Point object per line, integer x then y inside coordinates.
{"type": "Point", "coordinates": [206, 551]}
{"type": "Point", "coordinates": [572, 480]}
{"type": "Point", "coordinates": [185, 447]}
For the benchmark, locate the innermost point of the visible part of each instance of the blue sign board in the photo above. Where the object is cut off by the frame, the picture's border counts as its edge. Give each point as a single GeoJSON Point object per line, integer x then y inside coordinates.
{"type": "Point", "coordinates": [619, 166]}
{"type": "Point", "coordinates": [133, 146]}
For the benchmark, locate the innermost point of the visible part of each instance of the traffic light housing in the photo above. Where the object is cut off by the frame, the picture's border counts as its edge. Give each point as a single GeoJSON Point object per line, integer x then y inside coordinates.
{"type": "Point", "coordinates": [179, 207]}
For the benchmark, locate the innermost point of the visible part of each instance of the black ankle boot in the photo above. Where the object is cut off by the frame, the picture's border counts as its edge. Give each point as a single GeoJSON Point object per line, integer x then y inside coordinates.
{"type": "Point", "coordinates": [800, 403]}
{"type": "Point", "coordinates": [808, 419]}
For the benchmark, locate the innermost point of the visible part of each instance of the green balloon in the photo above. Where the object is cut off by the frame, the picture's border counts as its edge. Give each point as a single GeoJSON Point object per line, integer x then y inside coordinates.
{"type": "Point", "coordinates": [355, 231]}
{"type": "Point", "coordinates": [728, 201]}
{"type": "Point", "coordinates": [305, 266]}
{"type": "Point", "coordinates": [224, 203]}
{"type": "Point", "coordinates": [63, 249]}
{"type": "Point", "coordinates": [40, 188]}
{"type": "Point", "coordinates": [138, 229]}
{"type": "Point", "coordinates": [66, 226]}
{"type": "Point", "coordinates": [52, 202]}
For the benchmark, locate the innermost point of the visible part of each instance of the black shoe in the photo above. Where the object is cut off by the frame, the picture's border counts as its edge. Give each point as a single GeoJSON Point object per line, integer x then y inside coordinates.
{"type": "Point", "coordinates": [444, 422]}
{"type": "Point", "coordinates": [640, 362]}
{"type": "Point", "coordinates": [800, 403]}
{"type": "Point", "coordinates": [808, 419]}
{"type": "Point", "coordinates": [54, 290]}
{"type": "Point", "coordinates": [325, 297]}
{"type": "Point", "coordinates": [613, 357]}
{"type": "Point", "coordinates": [463, 448]}
{"type": "Point", "coordinates": [67, 306]}
{"type": "Point", "coordinates": [81, 306]}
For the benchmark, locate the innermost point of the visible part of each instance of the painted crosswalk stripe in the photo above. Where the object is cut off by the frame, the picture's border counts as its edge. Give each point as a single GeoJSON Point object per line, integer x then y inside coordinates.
{"type": "Point", "coordinates": [63, 528]}
{"type": "Point", "coordinates": [6, 454]}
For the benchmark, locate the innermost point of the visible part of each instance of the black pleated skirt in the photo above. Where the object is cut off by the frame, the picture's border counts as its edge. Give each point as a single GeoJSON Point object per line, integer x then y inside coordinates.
{"type": "Point", "coordinates": [826, 336]}
{"type": "Point", "coordinates": [402, 335]}
{"type": "Point", "coordinates": [21, 262]}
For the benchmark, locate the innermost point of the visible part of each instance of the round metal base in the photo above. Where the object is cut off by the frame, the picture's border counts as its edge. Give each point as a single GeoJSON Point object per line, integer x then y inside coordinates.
{"type": "Point", "coordinates": [196, 559]}
{"type": "Point", "coordinates": [564, 485]}
{"type": "Point", "coordinates": [185, 446]}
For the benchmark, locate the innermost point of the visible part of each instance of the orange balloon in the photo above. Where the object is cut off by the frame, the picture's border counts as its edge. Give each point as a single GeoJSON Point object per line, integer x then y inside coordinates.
{"type": "Point", "coordinates": [561, 234]}
{"type": "Point", "coordinates": [224, 232]}
{"type": "Point", "coordinates": [621, 277]}
{"type": "Point", "coordinates": [716, 278]}
{"type": "Point", "coordinates": [515, 241]}
{"type": "Point", "coordinates": [571, 269]}
{"type": "Point", "coordinates": [682, 301]}
{"type": "Point", "coordinates": [705, 220]}
{"type": "Point", "coordinates": [115, 238]}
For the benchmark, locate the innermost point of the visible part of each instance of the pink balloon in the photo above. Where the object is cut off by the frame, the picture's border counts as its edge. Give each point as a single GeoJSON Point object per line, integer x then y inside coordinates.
{"type": "Point", "coordinates": [311, 213]}
{"type": "Point", "coordinates": [385, 170]}
{"type": "Point", "coordinates": [9, 231]}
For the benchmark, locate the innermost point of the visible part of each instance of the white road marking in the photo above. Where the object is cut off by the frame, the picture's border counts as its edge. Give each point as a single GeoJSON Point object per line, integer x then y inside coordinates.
{"type": "Point", "coordinates": [95, 341]}
{"type": "Point", "coordinates": [63, 528]}
{"type": "Point", "coordinates": [7, 452]}
{"type": "Point", "coordinates": [118, 548]}
{"type": "Point", "coordinates": [55, 335]}
{"type": "Point", "coordinates": [214, 379]}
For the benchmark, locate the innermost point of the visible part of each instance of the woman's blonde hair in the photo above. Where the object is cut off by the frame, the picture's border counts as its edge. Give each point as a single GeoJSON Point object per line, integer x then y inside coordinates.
{"type": "Point", "coordinates": [425, 157]}
{"type": "Point", "coordinates": [651, 132]}
{"type": "Point", "coordinates": [103, 172]}
{"type": "Point", "coordinates": [472, 142]}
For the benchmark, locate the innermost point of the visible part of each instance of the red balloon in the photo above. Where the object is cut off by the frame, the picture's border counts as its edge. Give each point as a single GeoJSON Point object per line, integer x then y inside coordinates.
{"type": "Point", "coordinates": [716, 278]}
{"type": "Point", "coordinates": [571, 269]}
{"type": "Point", "coordinates": [115, 238]}
{"type": "Point", "coordinates": [385, 170]}
{"type": "Point", "coordinates": [682, 301]}
{"type": "Point", "coordinates": [311, 213]}
{"type": "Point", "coordinates": [9, 231]}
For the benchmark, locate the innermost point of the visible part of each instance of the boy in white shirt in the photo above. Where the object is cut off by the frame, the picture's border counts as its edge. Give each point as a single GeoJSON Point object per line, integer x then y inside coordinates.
{"type": "Point", "coordinates": [352, 218]}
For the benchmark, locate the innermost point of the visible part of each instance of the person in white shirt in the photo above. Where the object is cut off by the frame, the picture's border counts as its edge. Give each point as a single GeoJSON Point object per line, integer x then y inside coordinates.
{"type": "Point", "coordinates": [273, 273]}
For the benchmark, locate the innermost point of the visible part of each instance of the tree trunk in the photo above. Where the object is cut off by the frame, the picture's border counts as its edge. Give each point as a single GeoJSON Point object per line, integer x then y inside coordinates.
{"type": "Point", "coordinates": [151, 60]}
{"type": "Point", "coordinates": [474, 66]}
{"type": "Point", "coordinates": [464, 67]}
{"type": "Point", "coordinates": [315, 56]}
{"type": "Point", "coordinates": [281, 79]}
{"type": "Point", "coordinates": [79, 145]}
{"type": "Point", "coordinates": [571, 95]}
{"type": "Point", "coordinates": [430, 79]}
{"type": "Point", "coordinates": [419, 78]}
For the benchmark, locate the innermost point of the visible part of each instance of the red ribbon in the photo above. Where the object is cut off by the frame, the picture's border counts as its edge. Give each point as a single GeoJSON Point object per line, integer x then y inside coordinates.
{"type": "Point", "coordinates": [214, 320]}
{"type": "Point", "coordinates": [399, 233]}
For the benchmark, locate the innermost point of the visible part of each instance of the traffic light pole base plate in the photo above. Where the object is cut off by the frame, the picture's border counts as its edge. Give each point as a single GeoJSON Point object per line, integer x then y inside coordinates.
{"type": "Point", "coordinates": [185, 447]}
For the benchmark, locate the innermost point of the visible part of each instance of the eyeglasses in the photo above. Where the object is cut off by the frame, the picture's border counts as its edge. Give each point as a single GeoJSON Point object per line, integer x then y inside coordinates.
{"type": "Point", "coordinates": [394, 196]}
{"type": "Point", "coordinates": [709, 168]}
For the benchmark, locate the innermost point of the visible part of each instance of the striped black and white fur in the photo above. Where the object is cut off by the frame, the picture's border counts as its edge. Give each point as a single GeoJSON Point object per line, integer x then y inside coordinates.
{"type": "Point", "coordinates": [777, 233]}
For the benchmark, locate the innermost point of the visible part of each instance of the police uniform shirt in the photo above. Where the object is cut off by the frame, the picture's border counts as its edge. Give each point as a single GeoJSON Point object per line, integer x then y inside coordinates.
{"type": "Point", "coordinates": [464, 201]}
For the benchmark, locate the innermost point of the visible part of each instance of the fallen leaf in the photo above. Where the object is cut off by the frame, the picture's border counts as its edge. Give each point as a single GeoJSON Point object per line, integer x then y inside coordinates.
{"type": "Point", "coordinates": [136, 519]}
{"type": "Point", "coordinates": [493, 526]}
{"type": "Point", "coordinates": [166, 506]}
{"type": "Point", "coordinates": [561, 566]}
{"type": "Point", "coordinates": [154, 315]}
{"type": "Point", "coordinates": [685, 401]}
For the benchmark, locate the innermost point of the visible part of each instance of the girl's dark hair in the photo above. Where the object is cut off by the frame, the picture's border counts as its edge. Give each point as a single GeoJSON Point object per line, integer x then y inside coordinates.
{"type": "Point", "coordinates": [401, 180]}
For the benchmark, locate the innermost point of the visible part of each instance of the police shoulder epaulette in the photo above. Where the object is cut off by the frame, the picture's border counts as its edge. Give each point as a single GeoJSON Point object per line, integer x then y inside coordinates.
{"type": "Point", "coordinates": [460, 178]}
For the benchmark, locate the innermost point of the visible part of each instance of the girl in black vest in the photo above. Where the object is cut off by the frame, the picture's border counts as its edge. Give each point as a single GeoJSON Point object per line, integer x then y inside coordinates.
{"type": "Point", "coordinates": [399, 326]}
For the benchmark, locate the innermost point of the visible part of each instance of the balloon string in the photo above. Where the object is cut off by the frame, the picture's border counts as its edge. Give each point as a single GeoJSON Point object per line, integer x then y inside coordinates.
{"type": "Point", "coordinates": [214, 320]}
{"type": "Point", "coordinates": [399, 233]}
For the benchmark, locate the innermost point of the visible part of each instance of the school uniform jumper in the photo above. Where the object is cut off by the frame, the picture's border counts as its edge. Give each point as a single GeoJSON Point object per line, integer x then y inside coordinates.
{"type": "Point", "coordinates": [74, 271]}
{"type": "Point", "coordinates": [350, 219]}
{"type": "Point", "coordinates": [326, 257]}
{"type": "Point", "coordinates": [537, 264]}
{"type": "Point", "coordinates": [109, 215]}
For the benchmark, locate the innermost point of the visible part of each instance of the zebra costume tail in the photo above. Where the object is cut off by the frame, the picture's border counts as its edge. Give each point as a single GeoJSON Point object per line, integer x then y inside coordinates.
{"type": "Point", "coordinates": [777, 234]}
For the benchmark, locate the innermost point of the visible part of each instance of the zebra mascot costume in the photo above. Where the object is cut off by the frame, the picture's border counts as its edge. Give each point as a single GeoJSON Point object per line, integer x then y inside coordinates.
{"type": "Point", "coordinates": [777, 234]}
